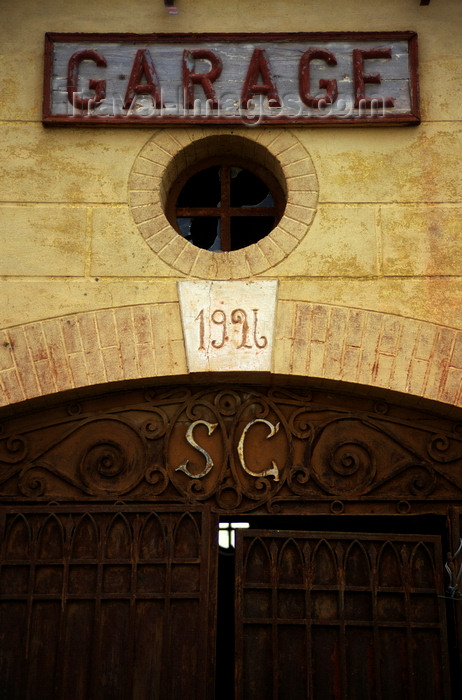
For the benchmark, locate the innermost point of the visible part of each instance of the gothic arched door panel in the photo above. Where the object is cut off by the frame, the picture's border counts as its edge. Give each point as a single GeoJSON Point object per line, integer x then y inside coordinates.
{"type": "Point", "coordinates": [340, 617]}
{"type": "Point", "coordinates": [105, 603]}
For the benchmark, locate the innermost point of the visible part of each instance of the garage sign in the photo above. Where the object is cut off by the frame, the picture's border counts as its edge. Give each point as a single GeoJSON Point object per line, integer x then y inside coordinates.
{"type": "Point", "coordinates": [184, 79]}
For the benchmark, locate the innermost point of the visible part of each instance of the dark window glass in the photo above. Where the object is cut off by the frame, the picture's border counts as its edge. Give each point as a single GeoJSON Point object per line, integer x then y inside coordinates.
{"type": "Point", "coordinates": [226, 204]}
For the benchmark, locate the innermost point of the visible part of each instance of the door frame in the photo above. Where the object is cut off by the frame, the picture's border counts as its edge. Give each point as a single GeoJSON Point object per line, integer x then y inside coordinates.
{"type": "Point", "coordinates": [237, 451]}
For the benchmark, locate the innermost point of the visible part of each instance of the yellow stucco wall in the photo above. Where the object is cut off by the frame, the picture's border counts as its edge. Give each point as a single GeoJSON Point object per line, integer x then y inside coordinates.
{"type": "Point", "coordinates": [385, 239]}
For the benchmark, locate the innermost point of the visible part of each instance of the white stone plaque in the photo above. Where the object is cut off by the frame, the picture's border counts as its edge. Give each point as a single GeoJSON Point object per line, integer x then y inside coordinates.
{"type": "Point", "coordinates": [228, 326]}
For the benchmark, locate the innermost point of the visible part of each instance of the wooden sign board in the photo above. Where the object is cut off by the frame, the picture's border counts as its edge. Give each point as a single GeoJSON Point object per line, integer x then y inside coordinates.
{"type": "Point", "coordinates": [184, 79]}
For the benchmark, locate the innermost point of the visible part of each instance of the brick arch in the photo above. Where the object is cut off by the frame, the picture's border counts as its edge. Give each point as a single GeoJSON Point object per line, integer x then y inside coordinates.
{"type": "Point", "coordinates": [310, 340]}
{"type": "Point", "coordinates": [369, 348]}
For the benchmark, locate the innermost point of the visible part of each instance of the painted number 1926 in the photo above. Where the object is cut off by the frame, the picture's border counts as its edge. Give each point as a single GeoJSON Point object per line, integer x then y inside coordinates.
{"type": "Point", "coordinates": [238, 327]}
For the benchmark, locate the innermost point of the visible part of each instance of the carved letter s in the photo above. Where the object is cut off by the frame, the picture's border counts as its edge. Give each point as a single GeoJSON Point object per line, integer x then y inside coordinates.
{"type": "Point", "coordinates": [208, 460]}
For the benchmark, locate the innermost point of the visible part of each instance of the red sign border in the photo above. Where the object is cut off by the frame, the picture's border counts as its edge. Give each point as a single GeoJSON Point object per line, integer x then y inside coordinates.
{"type": "Point", "coordinates": [410, 118]}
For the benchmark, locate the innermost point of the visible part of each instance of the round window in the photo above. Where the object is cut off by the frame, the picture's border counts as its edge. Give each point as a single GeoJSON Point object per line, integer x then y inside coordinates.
{"type": "Point", "coordinates": [225, 203]}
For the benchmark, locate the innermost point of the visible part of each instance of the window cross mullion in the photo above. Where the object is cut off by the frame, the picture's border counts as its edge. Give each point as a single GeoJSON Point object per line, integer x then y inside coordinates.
{"type": "Point", "coordinates": [212, 217]}
{"type": "Point", "coordinates": [225, 175]}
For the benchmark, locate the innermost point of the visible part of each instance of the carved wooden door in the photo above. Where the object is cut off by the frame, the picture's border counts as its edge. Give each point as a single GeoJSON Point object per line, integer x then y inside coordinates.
{"type": "Point", "coordinates": [105, 603]}
{"type": "Point", "coordinates": [343, 617]}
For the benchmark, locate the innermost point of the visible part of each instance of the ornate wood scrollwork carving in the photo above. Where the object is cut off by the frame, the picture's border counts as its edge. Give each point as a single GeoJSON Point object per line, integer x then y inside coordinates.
{"type": "Point", "coordinates": [236, 448]}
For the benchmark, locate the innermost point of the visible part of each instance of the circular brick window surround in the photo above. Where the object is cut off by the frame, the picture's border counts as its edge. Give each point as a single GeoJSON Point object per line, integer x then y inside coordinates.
{"type": "Point", "coordinates": [169, 153]}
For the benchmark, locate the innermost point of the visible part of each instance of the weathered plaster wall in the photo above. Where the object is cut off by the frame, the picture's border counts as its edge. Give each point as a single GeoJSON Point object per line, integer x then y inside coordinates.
{"type": "Point", "coordinates": [385, 238]}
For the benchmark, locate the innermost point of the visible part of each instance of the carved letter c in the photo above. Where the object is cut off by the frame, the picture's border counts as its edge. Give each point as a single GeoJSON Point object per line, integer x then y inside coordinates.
{"type": "Point", "coordinates": [274, 471]}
